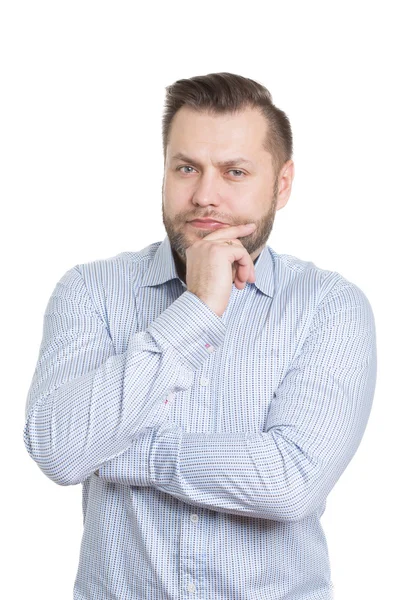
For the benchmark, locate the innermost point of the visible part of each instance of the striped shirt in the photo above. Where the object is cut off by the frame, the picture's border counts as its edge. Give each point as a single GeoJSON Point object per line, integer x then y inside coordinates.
{"type": "Point", "coordinates": [206, 446]}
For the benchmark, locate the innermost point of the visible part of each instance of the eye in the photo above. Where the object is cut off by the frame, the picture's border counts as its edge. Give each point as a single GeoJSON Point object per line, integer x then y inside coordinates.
{"type": "Point", "coordinates": [237, 171]}
{"type": "Point", "coordinates": [184, 167]}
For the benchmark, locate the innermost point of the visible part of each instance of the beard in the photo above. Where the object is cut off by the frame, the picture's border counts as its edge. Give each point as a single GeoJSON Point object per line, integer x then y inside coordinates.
{"type": "Point", "coordinates": [179, 241]}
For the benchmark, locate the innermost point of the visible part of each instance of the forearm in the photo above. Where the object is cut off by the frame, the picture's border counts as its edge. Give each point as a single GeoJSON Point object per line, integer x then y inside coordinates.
{"type": "Point", "coordinates": [263, 475]}
{"type": "Point", "coordinates": [257, 475]}
{"type": "Point", "coordinates": [85, 406]}
{"type": "Point", "coordinates": [94, 417]}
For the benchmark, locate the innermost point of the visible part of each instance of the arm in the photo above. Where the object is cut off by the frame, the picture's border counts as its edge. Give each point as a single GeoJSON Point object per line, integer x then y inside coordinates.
{"type": "Point", "coordinates": [315, 424]}
{"type": "Point", "coordinates": [85, 404]}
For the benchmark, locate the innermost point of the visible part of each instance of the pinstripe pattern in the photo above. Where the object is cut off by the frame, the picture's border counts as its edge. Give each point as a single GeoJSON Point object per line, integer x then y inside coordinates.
{"type": "Point", "coordinates": [206, 446]}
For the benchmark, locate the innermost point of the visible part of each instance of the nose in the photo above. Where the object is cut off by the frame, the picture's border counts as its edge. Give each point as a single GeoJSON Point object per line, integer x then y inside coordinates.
{"type": "Point", "coordinates": [206, 191]}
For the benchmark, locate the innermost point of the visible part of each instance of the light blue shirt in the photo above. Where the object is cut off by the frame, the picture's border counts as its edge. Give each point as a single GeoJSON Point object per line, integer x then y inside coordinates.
{"type": "Point", "coordinates": [206, 446]}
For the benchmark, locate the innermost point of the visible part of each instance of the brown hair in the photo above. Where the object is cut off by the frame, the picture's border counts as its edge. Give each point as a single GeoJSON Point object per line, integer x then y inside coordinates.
{"type": "Point", "coordinates": [219, 93]}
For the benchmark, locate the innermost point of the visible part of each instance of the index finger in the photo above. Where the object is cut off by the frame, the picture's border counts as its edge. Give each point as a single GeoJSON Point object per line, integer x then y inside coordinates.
{"type": "Point", "coordinates": [234, 231]}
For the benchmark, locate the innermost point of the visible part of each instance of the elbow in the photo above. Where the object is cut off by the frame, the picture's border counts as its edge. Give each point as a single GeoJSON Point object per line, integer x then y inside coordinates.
{"type": "Point", "coordinates": [50, 461]}
{"type": "Point", "coordinates": [297, 498]}
{"type": "Point", "coordinates": [300, 483]}
{"type": "Point", "coordinates": [298, 511]}
{"type": "Point", "coordinates": [302, 499]}
{"type": "Point", "coordinates": [293, 509]}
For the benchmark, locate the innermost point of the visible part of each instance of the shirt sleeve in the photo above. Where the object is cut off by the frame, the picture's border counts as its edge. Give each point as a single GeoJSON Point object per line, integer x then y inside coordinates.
{"type": "Point", "coordinates": [314, 427]}
{"type": "Point", "coordinates": [86, 404]}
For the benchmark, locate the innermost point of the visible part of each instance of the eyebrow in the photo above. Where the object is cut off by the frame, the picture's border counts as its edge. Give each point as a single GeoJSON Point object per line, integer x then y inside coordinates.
{"type": "Point", "coordinates": [222, 163]}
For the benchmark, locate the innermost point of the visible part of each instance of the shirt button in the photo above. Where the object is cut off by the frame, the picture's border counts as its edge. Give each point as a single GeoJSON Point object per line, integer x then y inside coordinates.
{"type": "Point", "coordinates": [204, 381]}
{"type": "Point", "coordinates": [191, 588]}
{"type": "Point", "coordinates": [194, 518]}
{"type": "Point", "coordinates": [210, 348]}
{"type": "Point", "coordinates": [169, 399]}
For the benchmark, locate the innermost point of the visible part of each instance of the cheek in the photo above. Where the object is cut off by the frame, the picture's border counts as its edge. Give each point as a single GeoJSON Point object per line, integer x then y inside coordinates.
{"type": "Point", "coordinates": [176, 195]}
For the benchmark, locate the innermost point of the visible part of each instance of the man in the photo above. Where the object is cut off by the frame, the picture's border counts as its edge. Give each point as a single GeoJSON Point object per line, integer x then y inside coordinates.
{"type": "Point", "coordinates": [206, 391]}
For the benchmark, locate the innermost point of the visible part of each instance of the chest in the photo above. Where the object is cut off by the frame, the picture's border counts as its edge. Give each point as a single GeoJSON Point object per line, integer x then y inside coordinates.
{"type": "Point", "coordinates": [234, 387]}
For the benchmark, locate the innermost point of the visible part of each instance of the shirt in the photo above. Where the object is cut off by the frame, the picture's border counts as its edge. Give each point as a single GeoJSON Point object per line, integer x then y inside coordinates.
{"type": "Point", "coordinates": [206, 446]}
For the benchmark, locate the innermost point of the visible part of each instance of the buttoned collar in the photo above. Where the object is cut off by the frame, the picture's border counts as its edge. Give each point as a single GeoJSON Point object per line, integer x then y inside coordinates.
{"type": "Point", "coordinates": [163, 269]}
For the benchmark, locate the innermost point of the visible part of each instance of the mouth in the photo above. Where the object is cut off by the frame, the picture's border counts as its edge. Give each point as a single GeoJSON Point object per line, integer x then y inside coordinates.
{"type": "Point", "coordinates": [207, 224]}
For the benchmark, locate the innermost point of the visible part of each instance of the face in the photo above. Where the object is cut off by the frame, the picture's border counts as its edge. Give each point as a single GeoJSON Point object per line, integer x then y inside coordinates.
{"type": "Point", "coordinates": [216, 167]}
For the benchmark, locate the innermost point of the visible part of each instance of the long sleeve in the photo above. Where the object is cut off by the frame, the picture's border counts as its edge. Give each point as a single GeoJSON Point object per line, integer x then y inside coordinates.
{"type": "Point", "coordinates": [86, 404]}
{"type": "Point", "coordinates": [315, 424]}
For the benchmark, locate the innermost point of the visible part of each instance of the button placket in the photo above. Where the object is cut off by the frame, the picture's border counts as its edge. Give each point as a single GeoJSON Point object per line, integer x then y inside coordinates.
{"type": "Point", "coordinates": [192, 562]}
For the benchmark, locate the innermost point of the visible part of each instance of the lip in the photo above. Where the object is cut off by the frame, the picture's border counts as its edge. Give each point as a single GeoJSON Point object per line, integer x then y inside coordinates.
{"type": "Point", "coordinates": [207, 224]}
{"type": "Point", "coordinates": [208, 221]}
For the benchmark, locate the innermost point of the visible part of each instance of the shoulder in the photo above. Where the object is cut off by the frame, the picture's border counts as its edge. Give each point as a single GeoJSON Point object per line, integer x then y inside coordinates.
{"type": "Point", "coordinates": [100, 280]}
{"type": "Point", "coordinates": [116, 269]}
{"type": "Point", "coordinates": [123, 262]}
{"type": "Point", "coordinates": [326, 290]}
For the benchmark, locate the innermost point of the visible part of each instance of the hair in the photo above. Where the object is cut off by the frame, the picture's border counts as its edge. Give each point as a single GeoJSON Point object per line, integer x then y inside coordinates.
{"type": "Point", "coordinates": [218, 93]}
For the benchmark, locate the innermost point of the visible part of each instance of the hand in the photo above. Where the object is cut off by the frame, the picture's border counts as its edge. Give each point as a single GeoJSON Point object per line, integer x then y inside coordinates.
{"type": "Point", "coordinates": [212, 266]}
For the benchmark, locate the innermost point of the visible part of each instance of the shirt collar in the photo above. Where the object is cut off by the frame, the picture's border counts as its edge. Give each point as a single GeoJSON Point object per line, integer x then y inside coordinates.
{"type": "Point", "coordinates": [163, 269]}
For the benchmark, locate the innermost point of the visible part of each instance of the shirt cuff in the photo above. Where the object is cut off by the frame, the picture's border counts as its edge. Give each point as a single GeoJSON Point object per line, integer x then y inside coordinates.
{"type": "Point", "coordinates": [132, 466]}
{"type": "Point", "coordinates": [191, 328]}
{"type": "Point", "coordinates": [164, 456]}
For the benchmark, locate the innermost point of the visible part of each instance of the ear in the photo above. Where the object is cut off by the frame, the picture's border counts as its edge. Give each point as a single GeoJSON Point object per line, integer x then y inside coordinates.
{"type": "Point", "coordinates": [285, 179]}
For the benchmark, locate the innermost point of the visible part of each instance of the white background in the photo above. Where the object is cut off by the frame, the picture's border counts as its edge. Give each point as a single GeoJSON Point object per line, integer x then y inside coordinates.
{"type": "Point", "coordinates": [81, 172]}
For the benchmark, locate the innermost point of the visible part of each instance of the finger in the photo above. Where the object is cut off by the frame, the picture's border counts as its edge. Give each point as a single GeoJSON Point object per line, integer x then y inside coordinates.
{"type": "Point", "coordinates": [242, 264]}
{"type": "Point", "coordinates": [226, 233]}
{"type": "Point", "coordinates": [238, 254]}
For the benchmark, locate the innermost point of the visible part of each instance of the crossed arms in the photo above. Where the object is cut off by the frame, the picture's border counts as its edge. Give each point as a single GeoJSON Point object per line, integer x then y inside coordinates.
{"type": "Point", "coordinates": [90, 410]}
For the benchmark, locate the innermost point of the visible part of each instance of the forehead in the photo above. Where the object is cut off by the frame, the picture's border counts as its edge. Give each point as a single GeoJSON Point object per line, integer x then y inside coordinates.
{"type": "Point", "coordinates": [243, 132]}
